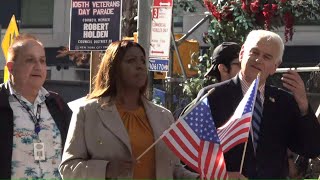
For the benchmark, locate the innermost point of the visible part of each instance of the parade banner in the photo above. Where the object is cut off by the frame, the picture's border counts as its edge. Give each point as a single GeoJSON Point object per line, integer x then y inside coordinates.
{"type": "Point", "coordinates": [94, 24]}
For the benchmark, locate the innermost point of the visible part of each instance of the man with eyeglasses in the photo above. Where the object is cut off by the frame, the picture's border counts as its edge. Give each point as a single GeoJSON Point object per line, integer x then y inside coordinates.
{"type": "Point", "coordinates": [224, 61]}
{"type": "Point", "coordinates": [224, 65]}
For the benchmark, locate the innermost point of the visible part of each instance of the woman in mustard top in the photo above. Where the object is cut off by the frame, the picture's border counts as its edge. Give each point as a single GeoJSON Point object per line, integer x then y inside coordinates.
{"type": "Point", "coordinates": [117, 124]}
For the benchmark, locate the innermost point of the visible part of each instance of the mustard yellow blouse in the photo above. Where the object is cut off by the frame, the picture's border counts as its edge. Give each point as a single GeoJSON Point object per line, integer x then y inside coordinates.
{"type": "Point", "coordinates": [141, 137]}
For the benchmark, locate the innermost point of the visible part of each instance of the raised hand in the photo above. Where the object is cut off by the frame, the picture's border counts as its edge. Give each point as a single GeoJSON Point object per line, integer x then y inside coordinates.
{"type": "Point", "coordinates": [293, 82]}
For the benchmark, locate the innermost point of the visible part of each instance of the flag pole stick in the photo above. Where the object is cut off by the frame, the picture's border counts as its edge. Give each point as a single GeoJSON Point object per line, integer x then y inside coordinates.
{"type": "Point", "coordinates": [156, 142]}
{"type": "Point", "coordinates": [175, 123]}
{"type": "Point", "coordinates": [147, 150]}
{"type": "Point", "coordinates": [243, 155]}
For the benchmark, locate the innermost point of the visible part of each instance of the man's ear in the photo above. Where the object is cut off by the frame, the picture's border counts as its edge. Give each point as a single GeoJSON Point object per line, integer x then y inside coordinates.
{"type": "Point", "coordinates": [222, 68]}
{"type": "Point", "coordinates": [241, 53]}
{"type": "Point", "coordinates": [10, 66]}
{"type": "Point", "coordinates": [276, 65]}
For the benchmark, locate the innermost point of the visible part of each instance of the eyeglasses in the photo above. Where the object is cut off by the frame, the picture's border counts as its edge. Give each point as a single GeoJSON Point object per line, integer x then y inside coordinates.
{"type": "Point", "coordinates": [236, 63]}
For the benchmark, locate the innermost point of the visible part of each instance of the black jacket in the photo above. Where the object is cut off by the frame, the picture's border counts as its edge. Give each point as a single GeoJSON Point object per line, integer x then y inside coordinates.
{"type": "Point", "coordinates": [58, 109]}
{"type": "Point", "coordinates": [282, 127]}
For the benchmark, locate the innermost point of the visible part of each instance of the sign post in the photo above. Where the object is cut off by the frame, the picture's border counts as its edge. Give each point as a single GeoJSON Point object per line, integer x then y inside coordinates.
{"type": "Point", "coordinates": [11, 33]}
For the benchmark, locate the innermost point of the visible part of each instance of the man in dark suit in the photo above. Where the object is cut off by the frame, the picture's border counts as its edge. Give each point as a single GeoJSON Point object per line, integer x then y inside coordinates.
{"type": "Point", "coordinates": [287, 119]}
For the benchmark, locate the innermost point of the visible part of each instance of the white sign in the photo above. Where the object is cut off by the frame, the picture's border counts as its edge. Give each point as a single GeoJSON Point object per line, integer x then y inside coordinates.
{"type": "Point", "coordinates": [160, 32]}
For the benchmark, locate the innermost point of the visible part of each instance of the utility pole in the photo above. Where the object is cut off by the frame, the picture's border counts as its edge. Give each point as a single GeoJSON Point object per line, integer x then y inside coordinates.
{"type": "Point", "coordinates": [144, 25]}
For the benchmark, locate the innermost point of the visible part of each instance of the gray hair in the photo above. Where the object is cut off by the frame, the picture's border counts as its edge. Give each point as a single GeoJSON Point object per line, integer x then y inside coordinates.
{"type": "Point", "coordinates": [256, 35]}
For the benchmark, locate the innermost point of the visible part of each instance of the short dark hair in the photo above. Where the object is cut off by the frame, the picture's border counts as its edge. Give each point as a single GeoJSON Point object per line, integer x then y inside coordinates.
{"type": "Point", "coordinates": [223, 54]}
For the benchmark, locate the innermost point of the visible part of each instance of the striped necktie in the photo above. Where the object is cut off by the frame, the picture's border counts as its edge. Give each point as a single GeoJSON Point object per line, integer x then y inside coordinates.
{"type": "Point", "coordinates": [256, 120]}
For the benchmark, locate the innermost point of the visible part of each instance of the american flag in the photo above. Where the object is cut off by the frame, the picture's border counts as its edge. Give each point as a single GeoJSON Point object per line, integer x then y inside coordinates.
{"type": "Point", "coordinates": [194, 139]}
{"type": "Point", "coordinates": [236, 130]}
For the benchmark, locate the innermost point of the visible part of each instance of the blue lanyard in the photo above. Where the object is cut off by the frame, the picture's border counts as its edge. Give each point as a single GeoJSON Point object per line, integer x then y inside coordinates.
{"type": "Point", "coordinates": [35, 117]}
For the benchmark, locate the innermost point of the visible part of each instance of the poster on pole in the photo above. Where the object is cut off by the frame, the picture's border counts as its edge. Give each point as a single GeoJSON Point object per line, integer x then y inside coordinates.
{"type": "Point", "coordinates": [94, 24]}
{"type": "Point", "coordinates": [160, 36]}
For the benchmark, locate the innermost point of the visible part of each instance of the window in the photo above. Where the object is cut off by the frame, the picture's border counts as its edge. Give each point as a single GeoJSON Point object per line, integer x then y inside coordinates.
{"type": "Point", "coordinates": [37, 13]}
{"type": "Point", "coordinates": [7, 8]}
{"type": "Point", "coordinates": [31, 13]}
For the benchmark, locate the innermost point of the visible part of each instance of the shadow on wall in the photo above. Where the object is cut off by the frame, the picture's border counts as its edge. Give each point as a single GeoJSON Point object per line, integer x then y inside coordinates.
{"type": "Point", "coordinates": [68, 90]}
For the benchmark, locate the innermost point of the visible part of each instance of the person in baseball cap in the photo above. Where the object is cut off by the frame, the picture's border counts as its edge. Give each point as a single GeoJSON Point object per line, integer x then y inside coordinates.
{"type": "Point", "coordinates": [224, 61]}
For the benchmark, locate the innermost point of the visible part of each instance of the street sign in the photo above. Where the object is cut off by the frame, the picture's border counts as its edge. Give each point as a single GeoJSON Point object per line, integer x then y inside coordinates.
{"type": "Point", "coordinates": [11, 33]}
{"type": "Point", "coordinates": [94, 24]}
{"type": "Point", "coordinates": [160, 32]}
{"type": "Point", "coordinates": [161, 65]}
{"type": "Point", "coordinates": [160, 36]}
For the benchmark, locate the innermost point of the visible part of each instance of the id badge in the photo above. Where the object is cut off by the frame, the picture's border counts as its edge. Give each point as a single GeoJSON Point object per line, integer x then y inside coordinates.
{"type": "Point", "coordinates": [39, 152]}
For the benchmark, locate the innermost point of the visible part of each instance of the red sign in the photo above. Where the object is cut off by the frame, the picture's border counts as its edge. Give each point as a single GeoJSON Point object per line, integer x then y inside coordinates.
{"type": "Point", "coordinates": [155, 12]}
{"type": "Point", "coordinates": [163, 3]}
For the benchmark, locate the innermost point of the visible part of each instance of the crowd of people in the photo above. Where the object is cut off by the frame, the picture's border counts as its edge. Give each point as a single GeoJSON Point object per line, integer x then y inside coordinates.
{"type": "Point", "coordinates": [102, 138]}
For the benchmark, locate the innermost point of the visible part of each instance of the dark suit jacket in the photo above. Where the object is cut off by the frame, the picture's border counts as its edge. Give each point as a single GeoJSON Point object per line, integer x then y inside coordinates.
{"type": "Point", "coordinates": [282, 127]}
{"type": "Point", "coordinates": [59, 111]}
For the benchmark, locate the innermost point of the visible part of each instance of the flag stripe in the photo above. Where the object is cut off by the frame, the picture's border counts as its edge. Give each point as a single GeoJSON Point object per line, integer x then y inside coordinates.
{"type": "Point", "coordinates": [231, 123]}
{"type": "Point", "coordinates": [231, 140]}
{"type": "Point", "coordinates": [186, 160]}
{"type": "Point", "coordinates": [211, 166]}
{"type": "Point", "coordinates": [201, 161]}
{"type": "Point", "coordinates": [177, 148]}
{"type": "Point", "coordinates": [189, 134]}
{"type": "Point", "coordinates": [184, 144]}
{"type": "Point", "coordinates": [244, 125]}
{"type": "Point", "coordinates": [219, 172]}
{"type": "Point", "coordinates": [241, 138]}
{"type": "Point", "coordinates": [234, 127]}
{"type": "Point", "coordinates": [209, 147]}
{"type": "Point", "coordinates": [217, 165]}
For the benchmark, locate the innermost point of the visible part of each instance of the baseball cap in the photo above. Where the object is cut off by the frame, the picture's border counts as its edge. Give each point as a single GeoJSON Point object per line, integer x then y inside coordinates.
{"type": "Point", "coordinates": [223, 54]}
